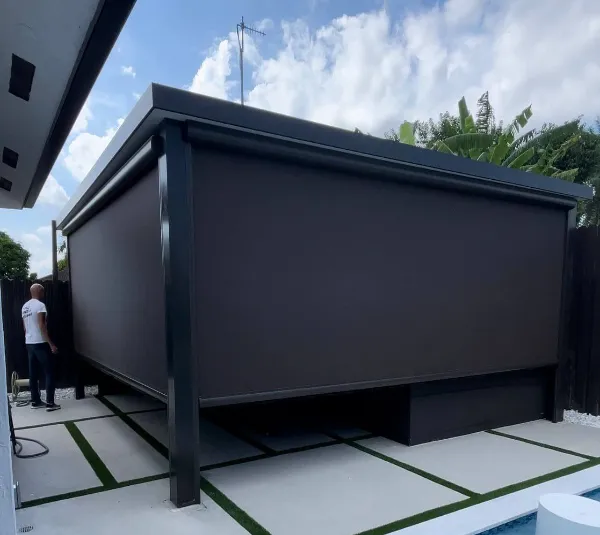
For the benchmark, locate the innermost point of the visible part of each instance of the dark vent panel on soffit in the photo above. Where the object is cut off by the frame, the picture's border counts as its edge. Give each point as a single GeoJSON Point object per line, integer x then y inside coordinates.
{"type": "Point", "coordinates": [10, 157]}
{"type": "Point", "coordinates": [5, 184]}
{"type": "Point", "coordinates": [21, 77]}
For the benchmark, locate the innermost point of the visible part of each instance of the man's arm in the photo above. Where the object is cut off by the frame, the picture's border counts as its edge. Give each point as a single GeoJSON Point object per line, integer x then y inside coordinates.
{"type": "Point", "coordinates": [44, 331]}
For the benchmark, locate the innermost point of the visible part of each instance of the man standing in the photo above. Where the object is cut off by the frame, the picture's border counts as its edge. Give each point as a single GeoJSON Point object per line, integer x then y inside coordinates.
{"type": "Point", "coordinates": [40, 348]}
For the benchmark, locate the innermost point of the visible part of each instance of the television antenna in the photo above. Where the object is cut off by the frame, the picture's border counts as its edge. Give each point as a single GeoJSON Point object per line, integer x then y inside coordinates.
{"type": "Point", "coordinates": [242, 28]}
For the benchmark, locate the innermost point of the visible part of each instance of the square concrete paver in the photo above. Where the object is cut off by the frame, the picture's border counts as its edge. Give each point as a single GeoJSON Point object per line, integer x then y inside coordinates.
{"type": "Point", "coordinates": [334, 490]}
{"type": "Point", "coordinates": [64, 469]}
{"type": "Point", "coordinates": [72, 409]}
{"type": "Point", "coordinates": [135, 402]}
{"type": "Point", "coordinates": [578, 438]}
{"type": "Point", "coordinates": [126, 454]}
{"type": "Point", "coordinates": [139, 509]}
{"type": "Point", "coordinates": [480, 462]}
{"type": "Point", "coordinates": [216, 445]}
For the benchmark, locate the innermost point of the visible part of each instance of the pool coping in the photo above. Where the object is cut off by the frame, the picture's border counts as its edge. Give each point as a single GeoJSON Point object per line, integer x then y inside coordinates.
{"type": "Point", "coordinates": [496, 512]}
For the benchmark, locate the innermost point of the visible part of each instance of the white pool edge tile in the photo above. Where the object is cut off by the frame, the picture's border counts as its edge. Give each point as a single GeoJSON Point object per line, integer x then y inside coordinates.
{"type": "Point", "coordinates": [481, 517]}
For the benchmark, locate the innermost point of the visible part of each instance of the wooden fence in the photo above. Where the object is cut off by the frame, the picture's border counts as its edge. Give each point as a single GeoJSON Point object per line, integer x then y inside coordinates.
{"type": "Point", "coordinates": [14, 294]}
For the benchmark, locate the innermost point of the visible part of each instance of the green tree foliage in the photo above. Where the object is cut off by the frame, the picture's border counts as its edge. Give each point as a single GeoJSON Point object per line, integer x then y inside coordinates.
{"type": "Point", "coordinates": [14, 259]}
{"type": "Point", "coordinates": [63, 262]}
{"type": "Point", "coordinates": [484, 140]}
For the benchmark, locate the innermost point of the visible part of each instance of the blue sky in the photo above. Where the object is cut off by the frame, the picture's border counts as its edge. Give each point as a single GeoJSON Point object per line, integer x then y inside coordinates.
{"type": "Point", "coordinates": [350, 63]}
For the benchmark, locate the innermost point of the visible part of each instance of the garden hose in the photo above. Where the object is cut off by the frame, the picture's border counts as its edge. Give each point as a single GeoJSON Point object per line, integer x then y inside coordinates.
{"type": "Point", "coordinates": [17, 442]}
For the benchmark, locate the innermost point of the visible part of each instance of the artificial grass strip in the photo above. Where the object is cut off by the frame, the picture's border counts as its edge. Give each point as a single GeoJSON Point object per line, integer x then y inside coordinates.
{"type": "Point", "coordinates": [102, 472]}
{"type": "Point", "coordinates": [93, 490]}
{"type": "Point", "coordinates": [541, 445]}
{"type": "Point", "coordinates": [481, 498]}
{"type": "Point", "coordinates": [433, 478]}
{"type": "Point", "coordinates": [76, 420]}
{"type": "Point", "coordinates": [239, 515]}
{"type": "Point", "coordinates": [418, 518]}
{"type": "Point", "coordinates": [234, 462]}
{"type": "Point", "coordinates": [156, 444]}
{"type": "Point", "coordinates": [60, 497]}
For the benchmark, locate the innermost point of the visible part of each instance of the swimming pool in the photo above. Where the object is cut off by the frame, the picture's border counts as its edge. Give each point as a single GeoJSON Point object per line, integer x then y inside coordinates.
{"type": "Point", "coordinates": [526, 525]}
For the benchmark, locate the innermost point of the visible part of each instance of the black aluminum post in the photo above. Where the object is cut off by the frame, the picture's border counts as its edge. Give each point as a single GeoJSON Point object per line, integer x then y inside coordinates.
{"type": "Point", "coordinates": [80, 367]}
{"type": "Point", "coordinates": [175, 188]}
{"type": "Point", "coordinates": [561, 377]}
{"type": "Point", "coordinates": [54, 253]}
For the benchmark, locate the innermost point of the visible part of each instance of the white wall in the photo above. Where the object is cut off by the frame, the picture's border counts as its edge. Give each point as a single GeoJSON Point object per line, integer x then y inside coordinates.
{"type": "Point", "coordinates": [7, 505]}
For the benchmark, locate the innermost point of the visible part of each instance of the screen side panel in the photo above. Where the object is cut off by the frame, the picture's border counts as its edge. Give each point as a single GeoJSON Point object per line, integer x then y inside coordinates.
{"type": "Point", "coordinates": [307, 278]}
{"type": "Point", "coordinates": [118, 289]}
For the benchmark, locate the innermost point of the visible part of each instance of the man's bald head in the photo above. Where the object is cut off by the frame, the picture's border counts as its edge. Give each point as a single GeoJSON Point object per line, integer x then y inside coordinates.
{"type": "Point", "coordinates": [37, 291]}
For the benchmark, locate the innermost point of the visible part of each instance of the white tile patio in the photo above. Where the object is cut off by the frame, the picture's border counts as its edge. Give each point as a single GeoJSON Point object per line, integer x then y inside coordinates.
{"type": "Point", "coordinates": [64, 469]}
{"type": "Point", "coordinates": [578, 438]}
{"type": "Point", "coordinates": [126, 455]}
{"type": "Point", "coordinates": [132, 402]}
{"type": "Point", "coordinates": [480, 462]}
{"type": "Point", "coordinates": [72, 409]}
{"type": "Point", "coordinates": [216, 445]}
{"type": "Point", "coordinates": [335, 490]}
{"type": "Point", "coordinates": [139, 509]}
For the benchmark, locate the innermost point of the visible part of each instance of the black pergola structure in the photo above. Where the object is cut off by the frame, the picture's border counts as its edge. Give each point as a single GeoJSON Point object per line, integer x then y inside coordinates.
{"type": "Point", "coordinates": [224, 255]}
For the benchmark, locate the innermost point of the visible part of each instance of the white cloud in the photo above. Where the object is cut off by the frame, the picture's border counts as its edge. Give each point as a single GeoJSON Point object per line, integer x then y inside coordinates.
{"type": "Point", "coordinates": [31, 240]}
{"type": "Point", "coordinates": [53, 193]}
{"type": "Point", "coordinates": [85, 149]}
{"type": "Point", "coordinates": [83, 119]}
{"type": "Point", "coordinates": [136, 96]}
{"type": "Point", "coordinates": [128, 71]}
{"type": "Point", "coordinates": [370, 72]}
{"type": "Point", "coordinates": [212, 76]}
{"type": "Point", "coordinates": [46, 230]}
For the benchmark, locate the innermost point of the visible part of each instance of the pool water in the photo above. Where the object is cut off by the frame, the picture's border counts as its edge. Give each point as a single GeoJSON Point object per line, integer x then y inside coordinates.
{"type": "Point", "coordinates": [526, 524]}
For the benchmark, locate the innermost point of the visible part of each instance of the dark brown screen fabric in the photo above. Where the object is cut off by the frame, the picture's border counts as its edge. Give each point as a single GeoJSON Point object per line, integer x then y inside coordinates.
{"type": "Point", "coordinates": [307, 278]}
{"type": "Point", "coordinates": [118, 288]}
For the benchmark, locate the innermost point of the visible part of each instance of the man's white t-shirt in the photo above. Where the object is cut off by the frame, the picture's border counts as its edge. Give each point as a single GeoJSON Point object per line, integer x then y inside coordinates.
{"type": "Point", "coordinates": [30, 313]}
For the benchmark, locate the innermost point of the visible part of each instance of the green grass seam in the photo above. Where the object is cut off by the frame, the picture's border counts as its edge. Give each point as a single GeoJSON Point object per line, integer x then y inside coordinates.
{"type": "Point", "coordinates": [156, 444]}
{"type": "Point", "coordinates": [481, 498]}
{"type": "Point", "coordinates": [93, 490]}
{"type": "Point", "coordinates": [100, 469]}
{"type": "Point", "coordinates": [431, 477]}
{"type": "Point", "coordinates": [541, 444]}
{"type": "Point", "coordinates": [235, 512]}
{"type": "Point", "coordinates": [77, 420]}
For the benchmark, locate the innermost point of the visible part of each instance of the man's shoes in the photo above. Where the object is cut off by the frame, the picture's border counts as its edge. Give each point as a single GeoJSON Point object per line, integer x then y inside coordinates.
{"type": "Point", "coordinates": [39, 405]}
{"type": "Point", "coordinates": [53, 407]}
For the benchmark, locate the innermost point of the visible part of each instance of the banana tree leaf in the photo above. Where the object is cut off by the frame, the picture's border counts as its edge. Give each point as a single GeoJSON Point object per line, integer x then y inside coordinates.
{"type": "Point", "coordinates": [464, 143]}
{"type": "Point", "coordinates": [518, 122]}
{"type": "Point", "coordinates": [545, 139]}
{"type": "Point", "coordinates": [522, 159]}
{"type": "Point", "coordinates": [467, 124]}
{"type": "Point", "coordinates": [440, 146]}
{"type": "Point", "coordinates": [483, 157]}
{"type": "Point", "coordinates": [568, 175]}
{"type": "Point", "coordinates": [499, 151]}
{"type": "Point", "coordinates": [407, 133]}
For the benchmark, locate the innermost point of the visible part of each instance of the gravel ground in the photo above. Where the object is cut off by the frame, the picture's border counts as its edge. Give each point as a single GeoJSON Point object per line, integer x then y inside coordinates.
{"type": "Point", "coordinates": [69, 393]}
{"type": "Point", "coordinates": [575, 417]}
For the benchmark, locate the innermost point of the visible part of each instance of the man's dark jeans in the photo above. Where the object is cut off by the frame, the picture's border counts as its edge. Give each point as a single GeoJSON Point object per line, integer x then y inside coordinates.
{"type": "Point", "coordinates": [41, 358]}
